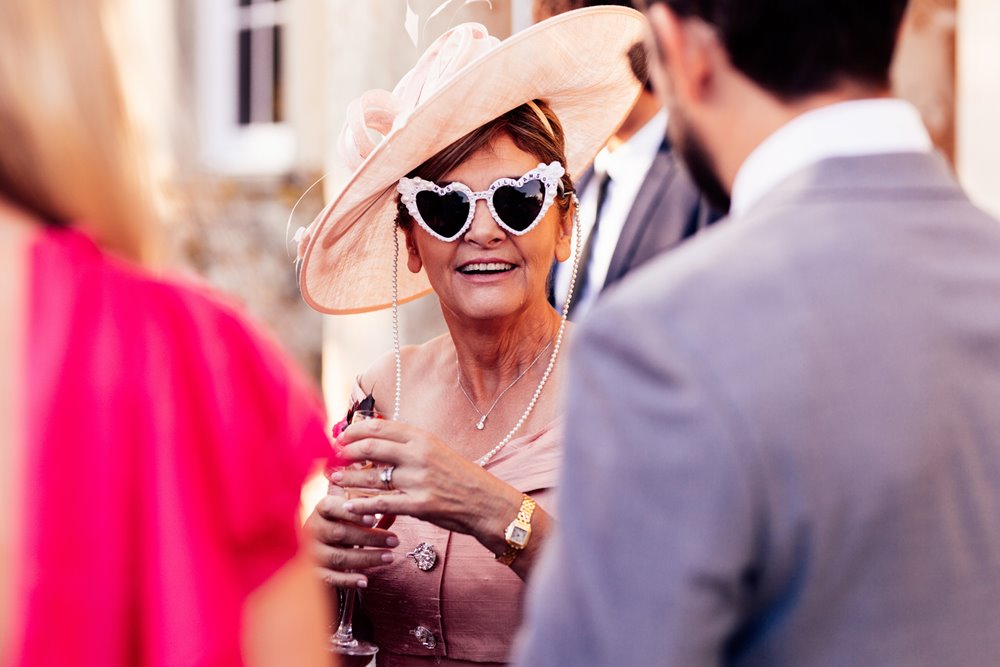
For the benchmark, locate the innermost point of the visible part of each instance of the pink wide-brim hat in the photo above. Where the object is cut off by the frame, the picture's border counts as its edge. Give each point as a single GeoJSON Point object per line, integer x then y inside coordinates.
{"type": "Point", "coordinates": [576, 62]}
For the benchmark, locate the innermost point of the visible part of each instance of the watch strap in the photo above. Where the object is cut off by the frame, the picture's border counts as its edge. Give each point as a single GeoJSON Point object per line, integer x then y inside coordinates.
{"type": "Point", "coordinates": [524, 514]}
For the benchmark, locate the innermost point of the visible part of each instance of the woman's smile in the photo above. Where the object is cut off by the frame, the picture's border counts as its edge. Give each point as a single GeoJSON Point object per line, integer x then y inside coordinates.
{"type": "Point", "coordinates": [487, 270]}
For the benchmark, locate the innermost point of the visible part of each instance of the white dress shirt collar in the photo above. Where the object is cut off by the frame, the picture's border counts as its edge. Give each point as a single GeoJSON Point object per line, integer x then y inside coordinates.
{"type": "Point", "coordinates": [845, 129]}
{"type": "Point", "coordinates": [631, 160]}
{"type": "Point", "coordinates": [627, 166]}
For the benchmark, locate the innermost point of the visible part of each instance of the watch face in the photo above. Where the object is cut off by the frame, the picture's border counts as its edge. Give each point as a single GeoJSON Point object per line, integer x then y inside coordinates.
{"type": "Point", "coordinates": [518, 535]}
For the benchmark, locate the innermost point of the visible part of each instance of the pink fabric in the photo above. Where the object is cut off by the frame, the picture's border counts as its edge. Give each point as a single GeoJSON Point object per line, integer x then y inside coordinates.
{"type": "Point", "coordinates": [382, 111]}
{"type": "Point", "coordinates": [167, 443]}
{"type": "Point", "coordinates": [471, 603]}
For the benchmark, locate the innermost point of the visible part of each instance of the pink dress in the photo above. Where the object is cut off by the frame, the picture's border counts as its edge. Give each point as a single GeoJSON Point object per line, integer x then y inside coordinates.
{"type": "Point", "coordinates": [166, 447]}
{"type": "Point", "coordinates": [467, 608]}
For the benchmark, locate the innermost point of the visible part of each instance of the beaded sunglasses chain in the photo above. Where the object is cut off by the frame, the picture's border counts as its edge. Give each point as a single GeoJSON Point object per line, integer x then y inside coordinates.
{"type": "Point", "coordinates": [556, 344]}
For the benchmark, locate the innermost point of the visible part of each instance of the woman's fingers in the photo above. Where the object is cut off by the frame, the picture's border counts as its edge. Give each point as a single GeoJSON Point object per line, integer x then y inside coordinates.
{"type": "Point", "coordinates": [383, 429]}
{"type": "Point", "coordinates": [368, 478]}
{"type": "Point", "coordinates": [331, 525]}
{"type": "Point", "coordinates": [391, 503]}
{"type": "Point", "coordinates": [348, 534]}
{"type": "Point", "coordinates": [335, 541]}
{"type": "Point", "coordinates": [342, 579]}
{"type": "Point", "coordinates": [331, 508]}
{"type": "Point", "coordinates": [375, 449]}
{"type": "Point", "coordinates": [342, 559]}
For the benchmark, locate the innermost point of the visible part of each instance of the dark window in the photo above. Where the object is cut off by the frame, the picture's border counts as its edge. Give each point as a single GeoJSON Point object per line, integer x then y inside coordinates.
{"type": "Point", "coordinates": [277, 78]}
{"type": "Point", "coordinates": [260, 63]}
{"type": "Point", "coordinates": [244, 76]}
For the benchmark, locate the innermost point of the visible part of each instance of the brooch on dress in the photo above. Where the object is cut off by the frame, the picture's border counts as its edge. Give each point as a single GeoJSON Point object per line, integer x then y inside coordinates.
{"type": "Point", "coordinates": [424, 556]}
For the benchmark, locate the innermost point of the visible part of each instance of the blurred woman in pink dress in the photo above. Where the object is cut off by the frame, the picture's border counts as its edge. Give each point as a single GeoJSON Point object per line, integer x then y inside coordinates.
{"type": "Point", "coordinates": [152, 444]}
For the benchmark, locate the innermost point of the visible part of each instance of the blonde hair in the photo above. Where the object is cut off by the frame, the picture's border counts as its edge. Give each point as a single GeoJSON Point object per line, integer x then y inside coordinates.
{"type": "Point", "coordinates": [69, 149]}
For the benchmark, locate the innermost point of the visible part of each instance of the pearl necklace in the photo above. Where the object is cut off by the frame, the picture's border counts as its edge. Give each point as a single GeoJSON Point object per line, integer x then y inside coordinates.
{"type": "Point", "coordinates": [481, 424]}
{"type": "Point", "coordinates": [577, 248]}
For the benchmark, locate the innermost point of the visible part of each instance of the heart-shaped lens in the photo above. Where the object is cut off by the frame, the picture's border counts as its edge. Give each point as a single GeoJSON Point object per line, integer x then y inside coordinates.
{"type": "Point", "coordinates": [445, 214]}
{"type": "Point", "coordinates": [518, 206]}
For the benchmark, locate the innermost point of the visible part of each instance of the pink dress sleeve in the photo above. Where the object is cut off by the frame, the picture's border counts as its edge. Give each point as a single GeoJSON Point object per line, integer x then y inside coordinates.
{"type": "Point", "coordinates": [167, 445]}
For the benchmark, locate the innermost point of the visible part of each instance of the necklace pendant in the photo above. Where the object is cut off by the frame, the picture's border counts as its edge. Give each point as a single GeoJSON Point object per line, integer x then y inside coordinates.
{"type": "Point", "coordinates": [481, 424]}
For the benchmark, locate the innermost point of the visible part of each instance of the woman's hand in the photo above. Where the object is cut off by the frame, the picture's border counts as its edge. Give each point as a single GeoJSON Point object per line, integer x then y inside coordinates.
{"type": "Point", "coordinates": [336, 532]}
{"type": "Point", "coordinates": [435, 484]}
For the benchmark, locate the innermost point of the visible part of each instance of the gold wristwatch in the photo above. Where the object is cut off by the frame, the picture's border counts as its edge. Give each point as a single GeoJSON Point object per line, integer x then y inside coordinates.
{"type": "Point", "coordinates": [518, 532]}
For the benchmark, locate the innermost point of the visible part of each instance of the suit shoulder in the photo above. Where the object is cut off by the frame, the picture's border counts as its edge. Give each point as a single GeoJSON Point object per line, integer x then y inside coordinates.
{"type": "Point", "coordinates": [716, 264]}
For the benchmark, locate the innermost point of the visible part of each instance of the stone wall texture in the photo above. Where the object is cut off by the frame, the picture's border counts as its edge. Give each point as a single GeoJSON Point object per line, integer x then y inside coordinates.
{"type": "Point", "coordinates": [234, 234]}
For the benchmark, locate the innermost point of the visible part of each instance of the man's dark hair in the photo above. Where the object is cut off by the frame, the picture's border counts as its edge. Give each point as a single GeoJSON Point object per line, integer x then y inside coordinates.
{"type": "Point", "coordinates": [636, 55]}
{"type": "Point", "coordinates": [794, 48]}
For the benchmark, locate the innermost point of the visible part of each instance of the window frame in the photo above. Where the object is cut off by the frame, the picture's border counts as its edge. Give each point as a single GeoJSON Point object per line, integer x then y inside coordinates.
{"type": "Point", "coordinates": [226, 145]}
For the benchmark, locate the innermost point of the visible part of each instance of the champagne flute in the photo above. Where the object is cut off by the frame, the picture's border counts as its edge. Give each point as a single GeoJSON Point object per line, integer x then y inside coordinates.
{"type": "Point", "coordinates": [343, 641]}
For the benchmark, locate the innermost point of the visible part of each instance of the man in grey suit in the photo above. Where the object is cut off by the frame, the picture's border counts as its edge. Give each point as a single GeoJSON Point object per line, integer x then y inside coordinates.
{"type": "Point", "coordinates": [637, 201]}
{"type": "Point", "coordinates": [783, 438]}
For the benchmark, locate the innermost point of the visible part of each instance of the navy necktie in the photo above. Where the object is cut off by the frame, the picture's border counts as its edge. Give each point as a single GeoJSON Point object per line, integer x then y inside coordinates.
{"type": "Point", "coordinates": [583, 279]}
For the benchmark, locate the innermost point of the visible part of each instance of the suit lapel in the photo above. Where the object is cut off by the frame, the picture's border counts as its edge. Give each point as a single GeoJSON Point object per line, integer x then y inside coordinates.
{"type": "Point", "coordinates": [654, 188]}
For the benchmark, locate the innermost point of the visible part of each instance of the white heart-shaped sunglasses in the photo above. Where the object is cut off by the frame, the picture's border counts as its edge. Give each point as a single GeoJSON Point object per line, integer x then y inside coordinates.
{"type": "Point", "coordinates": [517, 205]}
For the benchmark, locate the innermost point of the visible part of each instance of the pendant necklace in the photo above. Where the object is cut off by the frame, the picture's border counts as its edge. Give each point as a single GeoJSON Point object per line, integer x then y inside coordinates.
{"type": "Point", "coordinates": [481, 424]}
{"type": "Point", "coordinates": [483, 460]}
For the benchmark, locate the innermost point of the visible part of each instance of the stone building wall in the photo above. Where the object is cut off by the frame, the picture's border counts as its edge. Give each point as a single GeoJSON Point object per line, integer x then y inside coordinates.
{"type": "Point", "coordinates": [948, 64]}
{"type": "Point", "coordinates": [232, 233]}
{"type": "Point", "coordinates": [978, 143]}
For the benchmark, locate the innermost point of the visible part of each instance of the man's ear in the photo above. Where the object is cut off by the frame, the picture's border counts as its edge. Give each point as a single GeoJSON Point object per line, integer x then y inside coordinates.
{"type": "Point", "coordinates": [564, 243]}
{"type": "Point", "coordinates": [413, 261]}
{"type": "Point", "coordinates": [682, 50]}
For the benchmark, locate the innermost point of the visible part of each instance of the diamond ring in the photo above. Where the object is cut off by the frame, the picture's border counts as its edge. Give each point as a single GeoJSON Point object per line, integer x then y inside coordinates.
{"type": "Point", "coordinates": [385, 476]}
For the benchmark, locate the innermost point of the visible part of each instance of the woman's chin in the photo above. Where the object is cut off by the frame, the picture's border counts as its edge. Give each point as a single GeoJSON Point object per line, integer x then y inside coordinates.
{"type": "Point", "coordinates": [490, 311]}
{"type": "Point", "coordinates": [486, 306]}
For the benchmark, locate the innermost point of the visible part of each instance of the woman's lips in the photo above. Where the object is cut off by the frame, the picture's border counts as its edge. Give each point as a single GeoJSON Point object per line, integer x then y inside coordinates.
{"type": "Point", "coordinates": [473, 268]}
{"type": "Point", "coordinates": [486, 271]}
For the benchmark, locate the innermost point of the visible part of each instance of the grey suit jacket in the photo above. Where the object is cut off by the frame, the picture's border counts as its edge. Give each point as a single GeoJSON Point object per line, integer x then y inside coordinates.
{"type": "Point", "coordinates": [783, 440]}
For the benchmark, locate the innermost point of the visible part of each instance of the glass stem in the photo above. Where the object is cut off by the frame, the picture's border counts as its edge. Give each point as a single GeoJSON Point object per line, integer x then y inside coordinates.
{"type": "Point", "coordinates": [345, 631]}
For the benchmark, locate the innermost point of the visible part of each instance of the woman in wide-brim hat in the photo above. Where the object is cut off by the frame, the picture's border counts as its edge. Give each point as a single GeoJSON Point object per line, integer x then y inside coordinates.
{"type": "Point", "coordinates": [470, 444]}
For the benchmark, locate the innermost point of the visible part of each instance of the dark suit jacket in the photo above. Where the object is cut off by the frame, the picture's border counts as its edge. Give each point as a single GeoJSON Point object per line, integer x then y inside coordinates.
{"type": "Point", "coordinates": [667, 209]}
